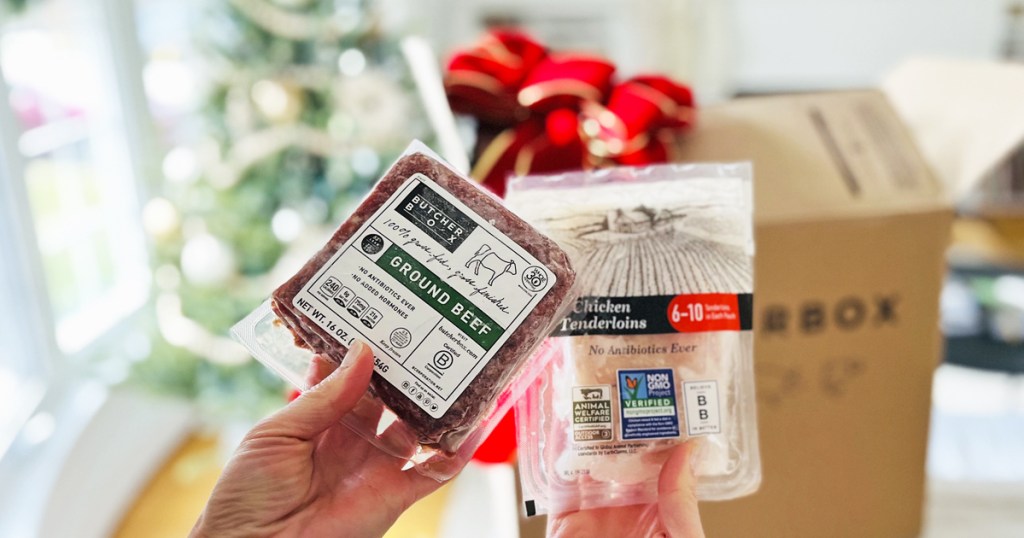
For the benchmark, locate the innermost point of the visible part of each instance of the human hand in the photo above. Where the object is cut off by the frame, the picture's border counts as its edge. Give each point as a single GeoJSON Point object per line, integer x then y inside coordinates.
{"type": "Point", "coordinates": [674, 516]}
{"type": "Point", "coordinates": [302, 472]}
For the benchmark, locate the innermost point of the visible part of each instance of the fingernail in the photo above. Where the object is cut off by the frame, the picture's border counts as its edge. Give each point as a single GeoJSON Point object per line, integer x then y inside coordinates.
{"type": "Point", "coordinates": [353, 351]}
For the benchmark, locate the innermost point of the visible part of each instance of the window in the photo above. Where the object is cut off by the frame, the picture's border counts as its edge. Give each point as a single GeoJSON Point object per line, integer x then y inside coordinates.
{"type": "Point", "coordinates": [73, 261]}
{"type": "Point", "coordinates": [23, 350]}
{"type": "Point", "coordinates": [77, 168]}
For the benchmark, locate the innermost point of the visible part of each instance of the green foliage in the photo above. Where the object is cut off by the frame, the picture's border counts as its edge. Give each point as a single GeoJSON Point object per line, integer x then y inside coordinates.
{"type": "Point", "coordinates": [244, 391]}
{"type": "Point", "coordinates": [14, 6]}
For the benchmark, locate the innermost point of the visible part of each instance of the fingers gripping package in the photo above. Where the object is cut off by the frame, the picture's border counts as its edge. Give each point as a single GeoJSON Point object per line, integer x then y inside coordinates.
{"type": "Point", "coordinates": [451, 290]}
{"type": "Point", "coordinates": [658, 348]}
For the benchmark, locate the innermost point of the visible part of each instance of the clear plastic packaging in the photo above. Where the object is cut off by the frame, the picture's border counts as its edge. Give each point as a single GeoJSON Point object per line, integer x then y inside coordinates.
{"type": "Point", "coordinates": [658, 348]}
{"type": "Point", "coordinates": [453, 293]}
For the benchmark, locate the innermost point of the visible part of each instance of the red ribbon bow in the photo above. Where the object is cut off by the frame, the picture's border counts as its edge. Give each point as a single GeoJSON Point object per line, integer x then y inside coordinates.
{"type": "Point", "coordinates": [555, 112]}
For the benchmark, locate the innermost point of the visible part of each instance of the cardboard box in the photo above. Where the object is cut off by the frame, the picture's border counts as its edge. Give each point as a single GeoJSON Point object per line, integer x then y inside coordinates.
{"type": "Point", "coordinates": [977, 146]}
{"type": "Point", "coordinates": [851, 230]}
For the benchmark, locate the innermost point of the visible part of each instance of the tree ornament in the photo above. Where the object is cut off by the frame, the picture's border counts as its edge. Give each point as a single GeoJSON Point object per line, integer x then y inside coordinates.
{"type": "Point", "coordinates": [287, 224]}
{"type": "Point", "coordinates": [207, 261]}
{"type": "Point", "coordinates": [160, 218]}
{"type": "Point", "coordinates": [181, 165]}
{"type": "Point", "coordinates": [277, 101]}
{"type": "Point", "coordinates": [351, 62]}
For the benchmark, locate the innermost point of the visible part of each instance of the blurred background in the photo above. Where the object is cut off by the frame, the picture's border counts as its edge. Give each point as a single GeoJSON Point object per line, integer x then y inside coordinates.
{"type": "Point", "coordinates": [164, 164]}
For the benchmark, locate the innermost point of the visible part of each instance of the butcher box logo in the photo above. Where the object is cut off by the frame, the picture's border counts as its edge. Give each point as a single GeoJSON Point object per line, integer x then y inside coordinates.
{"type": "Point", "coordinates": [441, 220]}
{"type": "Point", "coordinates": [849, 313]}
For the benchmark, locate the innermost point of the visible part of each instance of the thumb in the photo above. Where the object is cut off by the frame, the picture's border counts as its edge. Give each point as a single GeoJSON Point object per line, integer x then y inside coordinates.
{"type": "Point", "coordinates": [323, 405]}
{"type": "Point", "coordinates": [677, 496]}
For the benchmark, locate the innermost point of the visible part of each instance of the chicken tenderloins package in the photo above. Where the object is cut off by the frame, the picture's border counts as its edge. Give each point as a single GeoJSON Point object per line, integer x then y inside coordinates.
{"type": "Point", "coordinates": [657, 350]}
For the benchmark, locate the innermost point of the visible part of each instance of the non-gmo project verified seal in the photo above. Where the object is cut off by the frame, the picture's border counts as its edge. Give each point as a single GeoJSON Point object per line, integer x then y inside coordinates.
{"type": "Point", "coordinates": [648, 404]}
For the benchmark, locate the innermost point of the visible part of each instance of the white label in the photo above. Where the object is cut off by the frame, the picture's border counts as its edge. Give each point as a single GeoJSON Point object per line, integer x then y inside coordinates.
{"type": "Point", "coordinates": [433, 287]}
{"type": "Point", "coordinates": [703, 415]}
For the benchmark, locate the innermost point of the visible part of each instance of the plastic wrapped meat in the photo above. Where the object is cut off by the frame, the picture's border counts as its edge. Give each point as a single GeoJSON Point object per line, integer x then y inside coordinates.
{"type": "Point", "coordinates": [709, 359]}
{"type": "Point", "coordinates": [453, 293]}
{"type": "Point", "coordinates": [658, 348]}
{"type": "Point", "coordinates": [466, 411]}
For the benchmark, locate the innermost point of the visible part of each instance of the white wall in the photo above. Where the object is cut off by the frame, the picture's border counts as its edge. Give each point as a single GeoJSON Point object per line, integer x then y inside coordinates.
{"type": "Point", "coordinates": [824, 44]}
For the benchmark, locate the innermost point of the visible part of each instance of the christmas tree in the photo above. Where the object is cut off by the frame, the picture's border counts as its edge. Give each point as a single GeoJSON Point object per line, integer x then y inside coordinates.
{"type": "Point", "coordinates": [308, 101]}
{"type": "Point", "coordinates": [13, 6]}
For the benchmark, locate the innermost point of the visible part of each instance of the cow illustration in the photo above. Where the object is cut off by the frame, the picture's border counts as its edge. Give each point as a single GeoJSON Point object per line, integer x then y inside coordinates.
{"type": "Point", "coordinates": [591, 394]}
{"type": "Point", "coordinates": [485, 257]}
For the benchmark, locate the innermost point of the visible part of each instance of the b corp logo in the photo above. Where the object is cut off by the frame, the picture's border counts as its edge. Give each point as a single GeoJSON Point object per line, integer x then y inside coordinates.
{"type": "Point", "coordinates": [443, 360]}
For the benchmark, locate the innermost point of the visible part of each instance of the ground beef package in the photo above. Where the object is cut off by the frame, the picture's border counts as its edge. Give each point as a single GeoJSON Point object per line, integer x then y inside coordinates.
{"type": "Point", "coordinates": [657, 349]}
{"type": "Point", "coordinates": [453, 292]}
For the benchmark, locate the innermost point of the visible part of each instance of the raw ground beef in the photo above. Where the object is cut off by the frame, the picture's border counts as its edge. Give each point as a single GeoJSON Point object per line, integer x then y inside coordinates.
{"type": "Point", "coordinates": [447, 432]}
